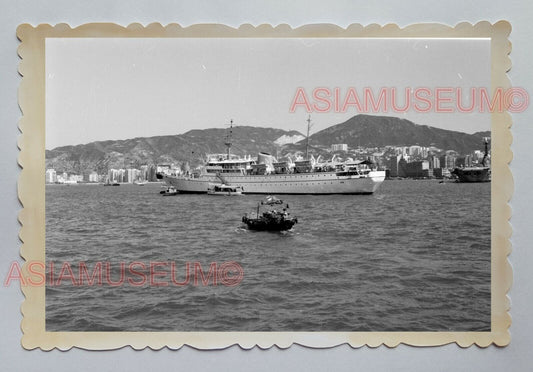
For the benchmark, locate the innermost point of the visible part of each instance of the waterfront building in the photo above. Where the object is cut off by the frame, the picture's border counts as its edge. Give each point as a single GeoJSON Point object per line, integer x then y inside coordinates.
{"type": "Point", "coordinates": [468, 161]}
{"type": "Point", "coordinates": [434, 162]}
{"type": "Point", "coordinates": [447, 161]}
{"type": "Point", "coordinates": [51, 176]}
{"type": "Point", "coordinates": [122, 176]}
{"type": "Point", "coordinates": [418, 169]}
{"type": "Point", "coordinates": [418, 151]}
{"type": "Point", "coordinates": [62, 178]}
{"type": "Point", "coordinates": [144, 173]}
{"type": "Point", "coordinates": [93, 177]}
{"type": "Point", "coordinates": [415, 150]}
{"type": "Point", "coordinates": [75, 178]}
{"type": "Point", "coordinates": [112, 175]}
{"type": "Point", "coordinates": [393, 166]}
{"type": "Point", "coordinates": [152, 173]}
{"type": "Point", "coordinates": [165, 168]}
{"type": "Point", "coordinates": [464, 161]}
{"type": "Point", "coordinates": [441, 173]}
{"type": "Point", "coordinates": [117, 175]}
{"type": "Point", "coordinates": [402, 167]}
{"type": "Point", "coordinates": [133, 175]}
{"type": "Point", "coordinates": [339, 147]}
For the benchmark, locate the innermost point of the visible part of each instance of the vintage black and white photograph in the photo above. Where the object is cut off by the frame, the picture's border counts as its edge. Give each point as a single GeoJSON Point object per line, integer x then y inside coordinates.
{"type": "Point", "coordinates": [212, 186]}
{"type": "Point", "coordinates": [321, 185]}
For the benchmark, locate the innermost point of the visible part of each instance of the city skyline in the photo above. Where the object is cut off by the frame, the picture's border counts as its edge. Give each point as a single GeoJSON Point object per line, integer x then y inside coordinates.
{"type": "Point", "coordinates": [399, 161]}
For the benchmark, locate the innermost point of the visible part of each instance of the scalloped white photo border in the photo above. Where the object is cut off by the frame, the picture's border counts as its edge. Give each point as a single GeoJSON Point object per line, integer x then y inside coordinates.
{"type": "Point", "coordinates": [31, 189]}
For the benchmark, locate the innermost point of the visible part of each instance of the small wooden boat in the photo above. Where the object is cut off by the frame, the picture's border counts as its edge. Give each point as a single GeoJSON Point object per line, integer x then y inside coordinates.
{"type": "Point", "coordinates": [170, 191]}
{"type": "Point", "coordinates": [224, 190]}
{"type": "Point", "coordinates": [271, 219]}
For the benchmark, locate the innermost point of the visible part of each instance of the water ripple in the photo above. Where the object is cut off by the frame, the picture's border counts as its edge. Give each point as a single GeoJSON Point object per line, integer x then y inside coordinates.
{"type": "Point", "coordinates": [412, 257]}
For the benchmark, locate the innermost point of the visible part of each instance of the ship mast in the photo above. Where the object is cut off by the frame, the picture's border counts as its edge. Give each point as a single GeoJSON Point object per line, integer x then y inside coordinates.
{"type": "Point", "coordinates": [307, 139]}
{"type": "Point", "coordinates": [486, 140]}
{"type": "Point", "coordinates": [228, 139]}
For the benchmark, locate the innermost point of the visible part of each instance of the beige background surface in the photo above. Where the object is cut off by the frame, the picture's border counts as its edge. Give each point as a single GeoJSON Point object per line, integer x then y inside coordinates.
{"type": "Point", "coordinates": [32, 97]}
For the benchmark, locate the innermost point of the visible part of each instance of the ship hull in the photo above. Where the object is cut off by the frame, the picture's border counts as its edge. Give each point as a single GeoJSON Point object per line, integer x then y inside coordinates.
{"type": "Point", "coordinates": [302, 183]}
{"type": "Point", "coordinates": [471, 175]}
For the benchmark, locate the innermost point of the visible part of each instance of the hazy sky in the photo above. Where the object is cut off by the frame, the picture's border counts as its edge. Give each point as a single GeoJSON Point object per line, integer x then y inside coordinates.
{"type": "Point", "coordinates": [107, 88]}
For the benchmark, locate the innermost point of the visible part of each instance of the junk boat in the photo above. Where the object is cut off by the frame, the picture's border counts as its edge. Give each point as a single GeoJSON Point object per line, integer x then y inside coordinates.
{"type": "Point", "coordinates": [267, 175]}
{"type": "Point", "coordinates": [224, 190]}
{"type": "Point", "coordinates": [475, 174]}
{"type": "Point", "coordinates": [271, 219]}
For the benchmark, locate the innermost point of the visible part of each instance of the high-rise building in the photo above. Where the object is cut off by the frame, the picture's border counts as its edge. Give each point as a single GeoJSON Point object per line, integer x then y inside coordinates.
{"type": "Point", "coordinates": [418, 169]}
{"type": "Point", "coordinates": [75, 178]}
{"type": "Point", "coordinates": [112, 175]}
{"type": "Point", "coordinates": [121, 175]}
{"type": "Point", "coordinates": [339, 147]}
{"type": "Point", "coordinates": [434, 162]}
{"type": "Point", "coordinates": [468, 161]}
{"type": "Point", "coordinates": [93, 177]}
{"type": "Point", "coordinates": [144, 173]}
{"type": "Point", "coordinates": [51, 176]}
{"type": "Point", "coordinates": [133, 175]}
{"type": "Point", "coordinates": [402, 167]}
{"type": "Point", "coordinates": [415, 150]}
{"type": "Point", "coordinates": [447, 161]}
{"type": "Point", "coordinates": [164, 168]}
{"type": "Point", "coordinates": [152, 173]}
{"type": "Point", "coordinates": [393, 165]}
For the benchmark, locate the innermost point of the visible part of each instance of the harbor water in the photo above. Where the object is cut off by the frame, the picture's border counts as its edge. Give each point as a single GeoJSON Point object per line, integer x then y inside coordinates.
{"type": "Point", "coordinates": [414, 256]}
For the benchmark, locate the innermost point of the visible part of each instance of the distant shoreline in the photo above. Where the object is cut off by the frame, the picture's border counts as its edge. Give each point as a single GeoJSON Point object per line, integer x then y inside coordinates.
{"type": "Point", "coordinates": [101, 183]}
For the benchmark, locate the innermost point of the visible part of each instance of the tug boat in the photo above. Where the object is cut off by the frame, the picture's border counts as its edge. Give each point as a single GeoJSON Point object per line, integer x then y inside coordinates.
{"type": "Point", "coordinates": [272, 219]}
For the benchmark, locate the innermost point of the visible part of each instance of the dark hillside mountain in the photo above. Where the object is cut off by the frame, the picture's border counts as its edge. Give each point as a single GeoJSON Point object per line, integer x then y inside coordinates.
{"type": "Point", "coordinates": [191, 147]}
{"type": "Point", "coordinates": [178, 149]}
{"type": "Point", "coordinates": [380, 131]}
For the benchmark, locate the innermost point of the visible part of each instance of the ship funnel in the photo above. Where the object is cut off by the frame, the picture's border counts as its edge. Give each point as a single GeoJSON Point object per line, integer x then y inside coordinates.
{"type": "Point", "coordinates": [267, 159]}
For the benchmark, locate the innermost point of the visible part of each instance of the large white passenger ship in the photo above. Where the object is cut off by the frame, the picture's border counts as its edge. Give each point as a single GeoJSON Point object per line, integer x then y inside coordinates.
{"type": "Point", "coordinates": [265, 175]}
